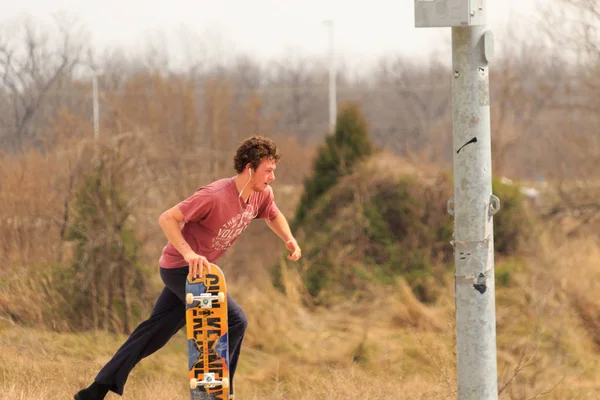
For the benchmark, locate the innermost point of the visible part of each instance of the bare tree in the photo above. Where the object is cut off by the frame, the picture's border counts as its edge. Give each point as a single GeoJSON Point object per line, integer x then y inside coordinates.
{"type": "Point", "coordinates": [32, 64]}
{"type": "Point", "coordinates": [525, 90]}
{"type": "Point", "coordinates": [571, 148]}
{"type": "Point", "coordinates": [409, 104]}
{"type": "Point", "coordinates": [296, 94]}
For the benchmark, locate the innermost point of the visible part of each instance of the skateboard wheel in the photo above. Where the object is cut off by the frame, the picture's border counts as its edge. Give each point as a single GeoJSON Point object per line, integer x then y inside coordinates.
{"type": "Point", "coordinates": [225, 383]}
{"type": "Point", "coordinates": [193, 383]}
{"type": "Point", "coordinates": [189, 298]}
{"type": "Point", "coordinates": [221, 297]}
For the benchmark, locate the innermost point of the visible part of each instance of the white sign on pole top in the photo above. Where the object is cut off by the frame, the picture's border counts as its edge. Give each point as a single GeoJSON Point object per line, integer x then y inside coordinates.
{"type": "Point", "coordinates": [449, 13]}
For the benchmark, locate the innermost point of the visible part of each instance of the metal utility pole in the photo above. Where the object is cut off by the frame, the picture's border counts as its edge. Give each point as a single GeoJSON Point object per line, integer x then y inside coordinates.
{"type": "Point", "coordinates": [332, 77]}
{"type": "Point", "coordinates": [96, 106]}
{"type": "Point", "coordinates": [473, 205]}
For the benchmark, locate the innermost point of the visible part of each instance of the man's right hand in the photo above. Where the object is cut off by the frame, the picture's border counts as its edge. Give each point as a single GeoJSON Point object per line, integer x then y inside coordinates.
{"type": "Point", "coordinates": [198, 264]}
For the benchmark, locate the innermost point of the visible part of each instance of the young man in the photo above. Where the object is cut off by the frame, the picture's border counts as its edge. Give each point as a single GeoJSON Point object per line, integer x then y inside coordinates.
{"type": "Point", "coordinates": [212, 218]}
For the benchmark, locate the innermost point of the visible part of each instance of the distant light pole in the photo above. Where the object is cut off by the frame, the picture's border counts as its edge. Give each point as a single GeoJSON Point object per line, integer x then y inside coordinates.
{"type": "Point", "coordinates": [332, 76]}
{"type": "Point", "coordinates": [96, 106]}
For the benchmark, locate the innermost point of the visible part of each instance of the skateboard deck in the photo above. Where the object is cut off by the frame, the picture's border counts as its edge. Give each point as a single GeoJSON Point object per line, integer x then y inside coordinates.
{"type": "Point", "coordinates": [208, 345]}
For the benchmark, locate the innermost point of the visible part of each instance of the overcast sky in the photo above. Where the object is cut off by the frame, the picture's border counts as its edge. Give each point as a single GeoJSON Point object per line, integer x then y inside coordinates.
{"type": "Point", "coordinates": [269, 29]}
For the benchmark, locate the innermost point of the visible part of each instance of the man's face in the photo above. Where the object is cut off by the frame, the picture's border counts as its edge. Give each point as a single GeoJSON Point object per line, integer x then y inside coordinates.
{"type": "Point", "coordinates": [264, 175]}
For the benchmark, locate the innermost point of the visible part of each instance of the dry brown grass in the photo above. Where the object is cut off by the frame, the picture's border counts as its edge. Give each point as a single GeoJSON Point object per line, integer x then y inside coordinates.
{"type": "Point", "coordinates": [387, 347]}
{"type": "Point", "coordinates": [290, 353]}
{"type": "Point", "coordinates": [390, 347]}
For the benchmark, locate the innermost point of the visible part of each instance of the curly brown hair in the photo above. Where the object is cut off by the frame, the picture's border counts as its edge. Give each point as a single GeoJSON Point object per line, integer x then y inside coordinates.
{"type": "Point", "coordinates": [253, 150]}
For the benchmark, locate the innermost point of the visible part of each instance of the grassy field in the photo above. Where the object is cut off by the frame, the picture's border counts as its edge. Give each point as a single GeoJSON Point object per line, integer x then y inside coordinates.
{"type": "Point", "coordinates": [390, 347]}
{"type": "Point", "coordinates": [290, 354]}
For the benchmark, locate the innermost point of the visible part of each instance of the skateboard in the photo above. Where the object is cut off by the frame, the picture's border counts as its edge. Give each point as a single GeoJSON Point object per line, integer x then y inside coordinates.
{"type": "Point", "coordinates": [208, 345]}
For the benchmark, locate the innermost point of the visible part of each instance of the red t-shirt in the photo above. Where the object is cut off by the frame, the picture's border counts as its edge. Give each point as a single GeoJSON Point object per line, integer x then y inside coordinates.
{"type": "Point", "coordinates": [215, 216]}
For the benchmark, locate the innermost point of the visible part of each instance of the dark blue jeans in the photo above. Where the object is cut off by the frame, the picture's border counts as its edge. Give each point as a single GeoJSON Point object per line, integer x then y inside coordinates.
{"type": "Point", "coordinates": [168, 317]}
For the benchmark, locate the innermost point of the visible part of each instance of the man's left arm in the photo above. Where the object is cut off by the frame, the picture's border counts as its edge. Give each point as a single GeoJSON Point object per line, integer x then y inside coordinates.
{"type": "Point", "coordinates": [280, 226]}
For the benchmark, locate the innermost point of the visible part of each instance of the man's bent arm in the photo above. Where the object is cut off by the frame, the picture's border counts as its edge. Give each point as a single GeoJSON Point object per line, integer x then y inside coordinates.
{"type": "Point", "coordinates": [280, 226]}
{"type": "Point", "coordinates": [169, 222]}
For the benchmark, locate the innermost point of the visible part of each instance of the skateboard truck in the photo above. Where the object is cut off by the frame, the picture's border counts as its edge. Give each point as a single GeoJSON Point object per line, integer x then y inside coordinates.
{"type": "Point", "coordinates": [209, 381]}
{"type": "Point", "coordinates": [205, 299]}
